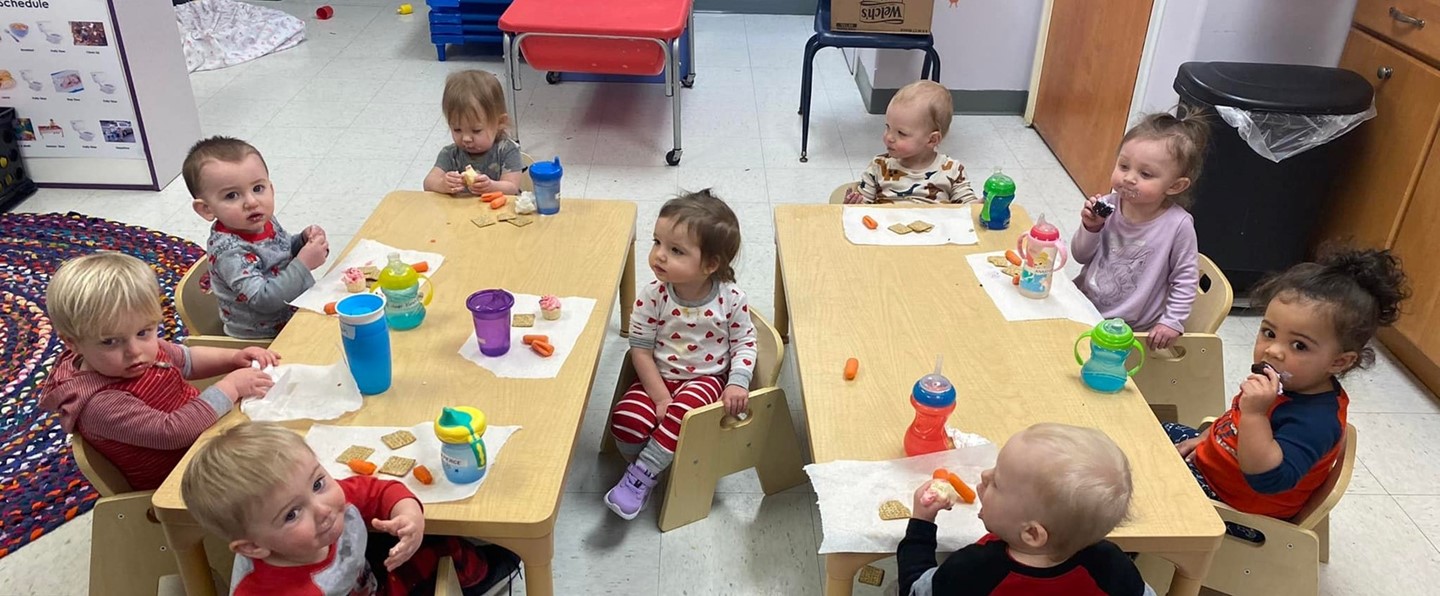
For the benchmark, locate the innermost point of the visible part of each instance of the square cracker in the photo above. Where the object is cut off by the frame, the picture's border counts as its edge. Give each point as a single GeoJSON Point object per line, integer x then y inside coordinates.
{"type": "Point", "coordinates": [521, 221]}
{"type": "Point", "coordinates": [921, 226]}
{"type": "Point", "coordinates": [355, 452]}
{"type": "Point", "coordinates": [998, 260]}
{"type": "Point", "coordinates": [397, 466]}
{"type": "Point", "coordinates": [894, 510]}
{"type": "Point", "coordinates": [872, 575]}
{"type": "Point", "coordinates": [398, 439]}
{"type": "Point", "coordinates": [505, 215]}
{"type": "Point", "coordinates": [485, 220]}
{"type": "Point", "coordinates": [522, 320]}
{"type": "Point", "coordinates": [901, 229]}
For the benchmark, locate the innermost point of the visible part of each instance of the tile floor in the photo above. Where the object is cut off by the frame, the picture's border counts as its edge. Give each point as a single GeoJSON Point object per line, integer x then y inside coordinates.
{"type": "Point", "coordinates": [353, 113]}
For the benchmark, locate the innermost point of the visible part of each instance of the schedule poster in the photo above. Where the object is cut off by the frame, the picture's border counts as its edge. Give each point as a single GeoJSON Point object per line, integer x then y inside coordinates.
{"type": "Point", "coordinates": [60, 68]}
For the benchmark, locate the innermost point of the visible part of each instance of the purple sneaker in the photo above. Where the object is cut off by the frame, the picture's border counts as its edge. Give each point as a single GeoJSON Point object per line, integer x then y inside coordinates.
{"type": "Point", "coordinates": [632, 493]}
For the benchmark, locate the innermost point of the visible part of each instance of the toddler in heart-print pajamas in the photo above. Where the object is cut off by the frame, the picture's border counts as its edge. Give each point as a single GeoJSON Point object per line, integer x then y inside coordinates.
{"type": "Point", "coordinates": [699, 347]}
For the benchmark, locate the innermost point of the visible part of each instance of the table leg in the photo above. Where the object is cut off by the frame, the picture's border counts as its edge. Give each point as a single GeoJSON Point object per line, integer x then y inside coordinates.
{"type": "Point", "coordinates": [188, 544]}
{"type": "Point", "coordinates": [840, 570]}
{"type": "Point", "coordinates": [537, 554]}
{"type": "Point", "coordinates": [782, 310]}
{"type": "Point", "coordinates": [627, 290]}
{"type": "Point", "coordinates": [1190, 569]}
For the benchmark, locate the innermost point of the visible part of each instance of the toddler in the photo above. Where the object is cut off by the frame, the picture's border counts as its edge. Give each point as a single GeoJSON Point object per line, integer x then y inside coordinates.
{"type": "Point", "coordinates": [691, 341]}
{"type": "Point", "coordinates": [119, 386]}
{"type": "Point", "coordinates": [911, 169]}
{"type": "Point", "coordinates": [1139, 251]}
{"type": "Point", "coordinates": [1054, 494]}
{"type": "Point", "coordinates": [1282, 433]}
{"type": "Point", "coordinates": [256, 267]}
{"type": "Point", "coordinates": [474, 106]}
{"type": "Point", "coordinates": [296, 530]}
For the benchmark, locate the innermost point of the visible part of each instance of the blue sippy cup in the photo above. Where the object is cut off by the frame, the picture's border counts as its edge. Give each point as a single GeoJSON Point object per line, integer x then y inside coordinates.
{"type": "Point", "coordinates": [1110, 344]}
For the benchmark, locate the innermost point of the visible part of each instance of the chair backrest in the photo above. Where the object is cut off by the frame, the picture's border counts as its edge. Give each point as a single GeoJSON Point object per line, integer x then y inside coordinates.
{"type": "Point", "coordinates": [199, 311]}
{"type": "Point", "coordinates": [1213, 299]}
{"type": "Point", "coordinates": [770, 353]}
{"type": "Point", "coordinates": [1190, 376]}
{"type": "Point", "coordinates": [1328, 495]}
{"type": "Point", "coordinates": [106, 478]}
{"type": "Point", "coordinates": [837, 196]}
{"type": "Point", "coordinates": [526, 183]}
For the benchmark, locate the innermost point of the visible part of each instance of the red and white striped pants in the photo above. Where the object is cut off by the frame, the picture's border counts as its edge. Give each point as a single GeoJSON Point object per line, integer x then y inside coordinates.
{"type": "Point", "coordinates": [634, 419]}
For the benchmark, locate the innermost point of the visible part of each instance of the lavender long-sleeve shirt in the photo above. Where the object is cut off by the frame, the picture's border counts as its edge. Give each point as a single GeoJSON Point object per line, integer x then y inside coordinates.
{"type": "Point", "coordinates": [1144, 273]}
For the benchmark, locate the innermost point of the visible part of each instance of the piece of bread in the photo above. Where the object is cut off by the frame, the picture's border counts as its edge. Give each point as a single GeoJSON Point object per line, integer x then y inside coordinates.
{"type": "Point", "coordinates": [469, 175]}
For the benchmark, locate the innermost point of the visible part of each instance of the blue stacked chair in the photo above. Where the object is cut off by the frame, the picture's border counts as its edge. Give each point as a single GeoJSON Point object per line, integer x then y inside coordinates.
{"type": "Point", "coordinates": [465, 21]}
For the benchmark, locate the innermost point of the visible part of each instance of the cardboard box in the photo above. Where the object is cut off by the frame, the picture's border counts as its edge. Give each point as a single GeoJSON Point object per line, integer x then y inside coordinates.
{"type": "Point", "coordinates": [882, 16]}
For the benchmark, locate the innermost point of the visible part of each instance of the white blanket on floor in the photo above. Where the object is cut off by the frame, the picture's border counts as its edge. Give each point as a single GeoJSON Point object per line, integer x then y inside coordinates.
{"type": "Point", "coordinates": [221, 33]}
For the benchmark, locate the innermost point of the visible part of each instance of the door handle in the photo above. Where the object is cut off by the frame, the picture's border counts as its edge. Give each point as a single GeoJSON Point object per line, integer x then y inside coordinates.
{"type": "Point", "coordinates": [1384, 73]}
{"type": "Point", "coordinates": [1395, 13]}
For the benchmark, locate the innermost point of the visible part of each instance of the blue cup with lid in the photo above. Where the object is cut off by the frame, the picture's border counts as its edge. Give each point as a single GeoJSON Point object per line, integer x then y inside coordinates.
{"type": "Point", "coordinates": [546, 176]}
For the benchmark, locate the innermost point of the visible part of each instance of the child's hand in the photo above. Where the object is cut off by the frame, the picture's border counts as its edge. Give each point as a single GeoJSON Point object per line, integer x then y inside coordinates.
{"type": "Point", "coordinates": [313, 254]}
{"type": "Point", "coordinates": [1187, 448]}
{"type": "Point", "coordinates": [853, 196]}
{"type": "Point", "coordinates": [482, 185]}
{"type": "Point", "coordinates": [927, 504]}
{"type": "Point", "coordinates": [313, 233]}
{"type": "Point", "coordinates": [1088, 218]}
{"type": "Point", "coordinates": [1162, 336]}
{"type": "Point", "coordinates": [661, 405]}
{"type": "Point", "coordinates": [736, 399]}
{"type": "Point", "coordinates": [264, 357]}
{"type": "Point", "coordinates": [246, 382]}
{"type": "Point", "coordinates": [454, 182]}
{"type": "Point", "coordinates": [407, 523]}
{"type": "Point", "coordinates": [1259, 391]}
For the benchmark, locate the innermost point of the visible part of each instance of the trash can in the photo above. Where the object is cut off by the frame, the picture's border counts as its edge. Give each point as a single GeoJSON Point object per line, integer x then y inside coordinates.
{"type": "Point", "coordinates": [1270, 162]}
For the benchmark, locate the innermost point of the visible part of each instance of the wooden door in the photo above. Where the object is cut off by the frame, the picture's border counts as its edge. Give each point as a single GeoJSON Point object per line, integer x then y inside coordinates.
{"type": "Point", "coordinates": [1092, 57]}
{"type": "Point", "coordinates": [1418, 245]}
{"type": "Point", "coordinates": [1384, 155]}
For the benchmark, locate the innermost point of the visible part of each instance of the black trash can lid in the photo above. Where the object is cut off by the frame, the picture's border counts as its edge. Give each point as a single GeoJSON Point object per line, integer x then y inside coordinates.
{"type": "Point", "coordinates": [1274, 87]}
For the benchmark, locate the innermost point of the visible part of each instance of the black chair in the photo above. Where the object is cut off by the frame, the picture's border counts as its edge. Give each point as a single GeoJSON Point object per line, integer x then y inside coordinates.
{"type": "Point", "coordinates": [826, 38]}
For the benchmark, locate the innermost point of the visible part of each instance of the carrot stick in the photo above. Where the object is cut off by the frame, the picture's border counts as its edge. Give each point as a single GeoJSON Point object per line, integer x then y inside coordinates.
{"type": "Point", "coordinates": [966, 494]}
{"type": "Point", "coordinates": [490, 196]}
{"type": "Point", "coordinates": [421, 267]}
{"type": "Point", "coordinates": [544, 349]}
{"type": "Point", "coordinates": [529, 339]}
{"type": "Point", "coordinates": [362, 467]}
{"type": "Point", "coordinates": [1013, 257]}
{"type": "Point", "coordinates": [498, 202]}
{"type": "Point", "coordinates": [329, 308]}
{"type": "Point", "coordinates": [869, 222]}
{"type": "Point", "coordinates": [852, 366]}
{"type": "Point", "coordinates": [1015, 280]}
{"type": "Point", "coordinates": [423, 475]}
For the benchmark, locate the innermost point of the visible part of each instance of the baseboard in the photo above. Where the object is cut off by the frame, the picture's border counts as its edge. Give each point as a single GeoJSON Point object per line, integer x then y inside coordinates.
{"type": "Point", "coordinates": [757, 6]}
{"type": "Point", "coordinates": [966, 101]}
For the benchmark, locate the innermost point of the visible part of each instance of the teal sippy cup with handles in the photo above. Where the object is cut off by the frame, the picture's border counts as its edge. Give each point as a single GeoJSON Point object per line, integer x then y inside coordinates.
{"type": "Point", "coordinates": [1110, 343]}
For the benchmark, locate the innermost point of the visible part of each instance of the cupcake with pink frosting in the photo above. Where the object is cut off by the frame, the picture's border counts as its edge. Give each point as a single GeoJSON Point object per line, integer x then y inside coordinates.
{"type": "Point", "coordinates": [550, 307]}
{"type": "Point", "coordinates": [354, 279]}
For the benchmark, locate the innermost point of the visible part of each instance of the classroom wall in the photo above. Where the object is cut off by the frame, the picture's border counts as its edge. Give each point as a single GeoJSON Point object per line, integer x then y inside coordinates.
{"type": "Point", "coordinates": [983, 45]}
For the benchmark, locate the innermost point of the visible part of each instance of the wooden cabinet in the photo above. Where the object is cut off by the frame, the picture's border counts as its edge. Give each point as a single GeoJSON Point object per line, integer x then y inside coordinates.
{"type": "Point", "coordinates": [1388, 192]}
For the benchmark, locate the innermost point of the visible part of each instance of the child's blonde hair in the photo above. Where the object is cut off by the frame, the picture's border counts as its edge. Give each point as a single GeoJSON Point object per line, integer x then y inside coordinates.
{"type": "Point", "coordinates": [230, 476]}
{"type": "Point", "coordinates": [1185, 137]}
{"type": "Point", "coordinates": [714, 226]}
{"type": "Point", "coordinates": [88, 296]}
{"type": "Point", "coordinates": [934, 97]}
{"type": "Point", "coordinates": [217, 148]}
{"type": "Point", "coordinates": [473, 96]}
{"type": "Point", "coordinates": [1082, 485]}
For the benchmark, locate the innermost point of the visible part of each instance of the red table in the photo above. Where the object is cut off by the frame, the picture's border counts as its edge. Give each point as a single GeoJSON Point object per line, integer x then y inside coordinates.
{"type": "Point", "coordinates": [621, 37]}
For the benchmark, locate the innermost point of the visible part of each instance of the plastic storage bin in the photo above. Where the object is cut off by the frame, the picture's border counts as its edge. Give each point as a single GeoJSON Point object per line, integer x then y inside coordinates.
{"type": "Point", "coordinates": [15, 182]}
{"type": "Point", "coordinates": [1254, 215]}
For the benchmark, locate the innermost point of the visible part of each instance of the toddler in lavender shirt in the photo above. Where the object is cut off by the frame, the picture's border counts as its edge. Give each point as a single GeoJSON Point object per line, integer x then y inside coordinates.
{"type": "Point", "coordinates": [1137, 244]}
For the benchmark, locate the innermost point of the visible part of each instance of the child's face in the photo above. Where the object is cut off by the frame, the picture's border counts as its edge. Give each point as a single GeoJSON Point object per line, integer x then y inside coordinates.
{"type": "Point", "coordinates": [1006, 495]}
{"type": "Point", "coordinates": [474, 136]}
{"type": "Point", "coordinates": [238, 194]}
{"type": "Point", "coordinates": [126, 351]}
{"type": "Point", "coordinates": [296, 523]}
{"type": "Point", "coordinates": [908, 132]}
{"type": "Point", "coordinates": [1297, 336]}
{"type": "Point", "coordinates": [675, 257]}
{"type": "Point", "coordinates": [1146, 174]}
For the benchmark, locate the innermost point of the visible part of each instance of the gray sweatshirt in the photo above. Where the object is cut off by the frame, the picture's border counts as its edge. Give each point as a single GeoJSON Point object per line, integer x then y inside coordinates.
{"type": "Point", "coordinates": [253, 276]}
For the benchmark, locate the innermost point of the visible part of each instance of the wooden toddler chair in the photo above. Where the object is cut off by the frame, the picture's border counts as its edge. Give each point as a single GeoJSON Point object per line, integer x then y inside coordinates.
{"type": "Point", "coordinates": [1213, 298]}
{"type": "Point", "coordinates": [837, 196]}
{"type": "Point", "coordinates": [200, 312]}
{"type": "Point", "coordinates": [713, 445]}
{"type": "Point", "coordinates": [1186, 383]}
{"type": "Point", "coordinates": [1288, 562]}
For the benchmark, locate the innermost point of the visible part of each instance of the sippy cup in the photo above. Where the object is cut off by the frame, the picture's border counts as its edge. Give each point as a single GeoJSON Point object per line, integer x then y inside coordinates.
{"type": "Point", "coordinates": [933, 398]}
{"type": "Point", "coordinates": [462, 450]}
{"type": "Point", "coordinates": [1110, 343]}
{"type": "Point", "coordinates": [404, 306]}
{"type": "Point", "coordinates": [999, 191]}
{"type": "Point", "coordinates": [1041, 253]}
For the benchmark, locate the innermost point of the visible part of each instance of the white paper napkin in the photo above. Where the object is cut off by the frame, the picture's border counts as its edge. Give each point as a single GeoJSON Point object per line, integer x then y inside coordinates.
{"type": "Point", "coordinates": [523, 363]}
{"type": "Point", "coordinates": [1064, 302]}
{"type": "Point", "coordinates": [330, 441]}
{"type": "Point", "coordinates": [953, 225]}
{"type": "Point", "coordinates": [850, 494]}
{"type": "Point", "coordinates": [329, 288]}
{"type": "Point", "coordinates": [306, 392]}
